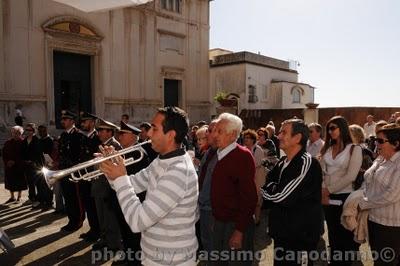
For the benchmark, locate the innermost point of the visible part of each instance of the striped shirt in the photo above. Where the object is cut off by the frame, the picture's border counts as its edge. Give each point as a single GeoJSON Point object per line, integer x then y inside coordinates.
{"type": "Point", "coordinates": [167, 216]}
{"type": "Point", "coordinates": [382, 191]}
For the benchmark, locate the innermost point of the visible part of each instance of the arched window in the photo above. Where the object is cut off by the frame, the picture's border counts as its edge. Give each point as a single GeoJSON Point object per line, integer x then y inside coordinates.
{"type": "Point", "coordinates": [296, 94]}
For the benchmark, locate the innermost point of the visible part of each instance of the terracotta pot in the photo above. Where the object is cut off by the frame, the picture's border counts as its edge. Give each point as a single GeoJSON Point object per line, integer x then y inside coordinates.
{"type": "Point", "coordinates": [228, 102]}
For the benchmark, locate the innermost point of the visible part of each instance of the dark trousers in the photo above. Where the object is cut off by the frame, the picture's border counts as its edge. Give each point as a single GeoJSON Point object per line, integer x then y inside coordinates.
{"type": "Point", "coordinates": [385, 241]}
{"type": "Point", "coordinates": [73, 205]}
{"type": "Point", "coordinates": [45, 195]}
{"type": "Point", "coordinates": [89, 206]}
{"type": "Point", "coordinates": [31, 178]}
{"type": "Point", "coordinates": [340, 239]}
{"type": "Point", "coordinates": [290, 252]}
{"type": "Point", "coordinates": [222, 233]}
{"type": "Point", "coordinates": [131, 241]}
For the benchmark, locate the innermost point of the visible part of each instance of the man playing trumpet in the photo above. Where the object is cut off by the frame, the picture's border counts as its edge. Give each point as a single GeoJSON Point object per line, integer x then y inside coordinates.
{"type": "Point", "coordinates": [167, 216]}
{"type": "Point", "coordinates": [128, 136]}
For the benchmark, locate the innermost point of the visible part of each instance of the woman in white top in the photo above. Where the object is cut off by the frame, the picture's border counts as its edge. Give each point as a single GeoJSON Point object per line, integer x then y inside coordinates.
{"type": "Point", "coordinates": [382, 197]}
{"type": "Point", "coordinates": [340, 162]}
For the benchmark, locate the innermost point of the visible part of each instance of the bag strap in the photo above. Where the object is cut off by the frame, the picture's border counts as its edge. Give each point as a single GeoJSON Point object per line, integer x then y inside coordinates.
{"type": "Point", "coordinates": [351, 149]}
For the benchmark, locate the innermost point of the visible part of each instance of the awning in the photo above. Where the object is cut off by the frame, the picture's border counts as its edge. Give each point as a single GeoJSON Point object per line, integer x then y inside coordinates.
{"type": "Point", "coordinates": [101, 5]}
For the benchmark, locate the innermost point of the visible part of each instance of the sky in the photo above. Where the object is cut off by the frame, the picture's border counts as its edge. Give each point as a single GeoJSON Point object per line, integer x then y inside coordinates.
{"type": "Point", "coordinates": [348, 49]}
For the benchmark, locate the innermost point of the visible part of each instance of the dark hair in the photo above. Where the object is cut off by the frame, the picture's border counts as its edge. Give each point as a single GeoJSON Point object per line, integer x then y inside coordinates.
{"type": "Point", "coordinates": [298, 127]}
{"type": "Point", "coordinates": [392, 133]}
{"type": "Point", "coordinates": [145, 125]}
{"type": "Point", "coordinates": [264, 131]}
{"type": "Point", "coordinates": [125, 116]}
{"type": "Point", "coordinates": [317, 127]}
{"type": "Point", "coordinates": [201, 123]}
{"type": "Point", "coordinates": [42, 126]}
{"type": "Point", "coordinates": [175, 119]}
{"type": "Point", "coordinates": [251, 133]}
{"type": "Point", "coordinates": [345, 136]}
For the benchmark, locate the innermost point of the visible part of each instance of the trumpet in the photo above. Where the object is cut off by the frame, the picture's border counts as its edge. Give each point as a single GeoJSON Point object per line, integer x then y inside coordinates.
{"type": "Point", "coordinates": [81, 172]}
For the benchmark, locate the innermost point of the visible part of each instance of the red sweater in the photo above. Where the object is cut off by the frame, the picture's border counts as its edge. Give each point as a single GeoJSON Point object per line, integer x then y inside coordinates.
{"type": "Point", "coordinates": [233, 190]}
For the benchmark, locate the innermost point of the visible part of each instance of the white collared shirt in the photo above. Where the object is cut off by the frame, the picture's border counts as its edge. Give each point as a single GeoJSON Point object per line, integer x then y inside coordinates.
{"type": "Point", "coordinates": [69, 130]}
{"type": "Point", "coordinates": [222, 153]}
{"type": "Point", "coordinates": [315, 148]}
{"type": "Point", "coordinates": [382, 191]}
{"type": "Point", "coordinates": [369, 129]}
{"type": "Point", "coordinates": [105, 142]}
{"type": "Point", "coordinates": [91, 132]}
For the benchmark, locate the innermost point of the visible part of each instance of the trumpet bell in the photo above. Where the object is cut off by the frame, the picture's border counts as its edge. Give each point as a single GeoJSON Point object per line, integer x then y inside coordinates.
{"type": "Point", "coordinates": [50, 176]}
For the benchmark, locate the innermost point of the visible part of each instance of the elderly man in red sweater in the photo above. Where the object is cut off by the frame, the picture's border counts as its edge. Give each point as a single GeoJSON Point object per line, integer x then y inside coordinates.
{"type": "Point", "coordinates": [233, 195]}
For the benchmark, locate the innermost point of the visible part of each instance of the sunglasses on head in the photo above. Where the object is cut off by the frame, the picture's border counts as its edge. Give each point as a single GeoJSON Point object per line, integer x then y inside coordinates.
{"type": "Point", "coordinates": [381, 141]}
{"type": "Point", "coordinates": [332, 128]}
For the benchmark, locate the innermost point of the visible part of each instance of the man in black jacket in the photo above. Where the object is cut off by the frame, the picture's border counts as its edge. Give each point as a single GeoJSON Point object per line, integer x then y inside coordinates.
{"type": "Point", "coordinates": [45, 194]}
{"type": "Point", "coordinates": [104, 196]}
{"type": "Point", "coordinates": [69, 151]}
{"type": "Point", "coordinates": [293, 192]}
{"type": "Point", "coordinates": [89, 145]}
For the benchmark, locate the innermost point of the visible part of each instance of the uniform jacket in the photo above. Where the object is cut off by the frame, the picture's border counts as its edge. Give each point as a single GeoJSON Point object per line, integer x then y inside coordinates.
{"type": "Point", "coordinates": [100, 187]}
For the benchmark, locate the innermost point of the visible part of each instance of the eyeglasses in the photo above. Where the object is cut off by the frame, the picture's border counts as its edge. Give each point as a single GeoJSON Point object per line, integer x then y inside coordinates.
{"type": "Point", "coordinates": [332, 128]}
{"type": "Point", "coordinates": [381, 141]}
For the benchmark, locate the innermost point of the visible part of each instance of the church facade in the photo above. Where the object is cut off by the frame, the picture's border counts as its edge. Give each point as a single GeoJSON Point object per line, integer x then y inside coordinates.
{"type": "Point", "coordinates": [130, 60]}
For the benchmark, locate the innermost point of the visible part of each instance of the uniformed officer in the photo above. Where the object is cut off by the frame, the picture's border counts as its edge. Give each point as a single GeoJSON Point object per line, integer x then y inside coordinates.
{"type": "Point", "coordinates": [104, 196]}
{"type": "Point", "coordinates": [69, 151]}
{"type": "Point", "coordinates": [128, 135]}
{"type": "Point", "coordinates": [89, 146]}
{"type": "Point", "coordinates": [143, 136]}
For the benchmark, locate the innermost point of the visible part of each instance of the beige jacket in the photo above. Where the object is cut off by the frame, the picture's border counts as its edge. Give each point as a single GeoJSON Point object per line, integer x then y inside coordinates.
{"type": "Point", "coordinates": [353, 220]}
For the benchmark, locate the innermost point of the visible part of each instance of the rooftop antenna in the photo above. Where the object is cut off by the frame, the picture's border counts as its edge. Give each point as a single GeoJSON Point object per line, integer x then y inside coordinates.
{"type": "Point", "coordinates": [293, 64]}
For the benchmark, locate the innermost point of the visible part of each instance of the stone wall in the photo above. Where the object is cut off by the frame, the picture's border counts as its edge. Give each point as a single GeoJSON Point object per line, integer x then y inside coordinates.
{"type": "Point", "coordinates": [133, 51]}
{"type": "Point", "coordinates": [354, 115]}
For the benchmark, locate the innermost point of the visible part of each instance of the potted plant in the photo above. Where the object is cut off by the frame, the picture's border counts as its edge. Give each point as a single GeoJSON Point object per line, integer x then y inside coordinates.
{"type": "Point", "coordinates": [224, 99]}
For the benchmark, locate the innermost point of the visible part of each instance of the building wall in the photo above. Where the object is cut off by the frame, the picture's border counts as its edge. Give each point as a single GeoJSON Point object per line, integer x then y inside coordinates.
{"type": "Point", "coordinates": [354, 115]}
{"type": "Point", "coordinates": [261, 78]}
{"type": "Point", "coordinates": [237, 78]}
{"type": "Point", "coordinates": [228, 78]}
{"type": "Point", "coordinates": [307, 95]}
{"type": "Point", "coordinates": [218, 51]}
{"type": "Point", "coordinates": [139, 48]}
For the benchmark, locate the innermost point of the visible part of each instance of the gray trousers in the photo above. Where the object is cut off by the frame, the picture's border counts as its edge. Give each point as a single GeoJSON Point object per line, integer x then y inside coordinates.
{"type": "Point", "coordinates": [206, 223]}
{"type": "Point", "coordinates": [108, 223]}
{"type": "Point", "coordinates": [222, 232]}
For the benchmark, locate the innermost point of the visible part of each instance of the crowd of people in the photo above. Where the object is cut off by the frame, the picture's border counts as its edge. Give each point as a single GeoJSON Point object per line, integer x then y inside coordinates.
{"type": "Point", "coordinates": [198, 193]}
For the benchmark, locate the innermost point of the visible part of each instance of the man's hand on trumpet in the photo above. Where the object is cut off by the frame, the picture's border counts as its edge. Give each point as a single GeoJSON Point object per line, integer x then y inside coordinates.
{"type": "Point", "coordinates": [114, 167]}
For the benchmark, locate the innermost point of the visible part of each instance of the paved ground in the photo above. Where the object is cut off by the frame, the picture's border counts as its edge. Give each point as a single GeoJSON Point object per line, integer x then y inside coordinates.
{"type": "Point", "coordinates": [38, 239]}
